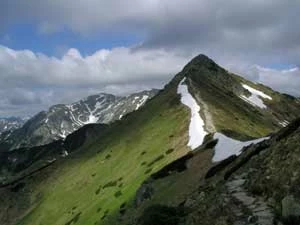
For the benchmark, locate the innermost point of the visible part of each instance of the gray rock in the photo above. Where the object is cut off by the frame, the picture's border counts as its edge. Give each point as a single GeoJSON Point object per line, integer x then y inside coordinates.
{"type": "Point", "coordinates": [62, 120]}
{"type": "Point", "coordinates": [290, 206]}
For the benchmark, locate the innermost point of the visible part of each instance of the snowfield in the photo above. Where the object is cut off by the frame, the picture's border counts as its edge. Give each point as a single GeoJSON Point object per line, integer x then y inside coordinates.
{"type": "Point", "coordinates": [256, 97]}
{"type": "Point", "coordinates": [196, 128]}
{"type": "Point", "coordinates": [227, 147]}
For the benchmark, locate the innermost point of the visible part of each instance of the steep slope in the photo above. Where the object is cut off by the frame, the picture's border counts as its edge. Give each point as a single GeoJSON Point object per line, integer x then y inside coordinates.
{"type": "Point", "coordinates": [259, 187]}
{"type": "Point", "coordinates": [61, 120]}
{"type": "Point", "coordinates": [105, 173]}
{"type": "Point", "coordinates": [227, 101]}
{"type": "Point", "coordinates": [108, 180]}
{"type": "Point", "coordinates": [19, 163]}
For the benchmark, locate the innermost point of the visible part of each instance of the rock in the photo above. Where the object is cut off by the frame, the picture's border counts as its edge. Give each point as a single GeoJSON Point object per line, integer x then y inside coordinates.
{"type": "Point", "coordinates": [251, 219]}
{"type": "Point", "coordinates": [189, 203]}
{"type": "Point", "coordinates": [145, 192]}
{"type": "Point", "coordinates": [290, 206]}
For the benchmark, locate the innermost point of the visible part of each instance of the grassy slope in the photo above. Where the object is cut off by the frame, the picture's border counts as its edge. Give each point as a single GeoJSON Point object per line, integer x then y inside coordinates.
{"type": "Point", "coordinates": [220, 90]}
{"type": "Point", "coordinates": [270, 176]}
{"type": "Point", "coordinates": [71, 190]}
{"type": "Point", "coordinates": [173, 189]}
{"type": "Point", "coordinates": [283, 106]}
{"type": "Point", "coordinates": [230, 114]}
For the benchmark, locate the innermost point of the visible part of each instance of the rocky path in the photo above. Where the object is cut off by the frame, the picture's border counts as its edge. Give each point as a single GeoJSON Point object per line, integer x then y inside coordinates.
{"type": "Point", "coordinates": [261, 212]}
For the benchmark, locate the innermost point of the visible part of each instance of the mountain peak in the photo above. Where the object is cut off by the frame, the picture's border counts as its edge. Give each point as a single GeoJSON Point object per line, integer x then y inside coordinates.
{"type": "Point", "coordinates": [201, 62]}
{"type": "Point", "coordinates": [202, 59]}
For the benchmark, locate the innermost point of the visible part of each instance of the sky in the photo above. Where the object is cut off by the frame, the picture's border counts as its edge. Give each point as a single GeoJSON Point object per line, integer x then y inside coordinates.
{"type": "Point", "coordinates": [59, 51]}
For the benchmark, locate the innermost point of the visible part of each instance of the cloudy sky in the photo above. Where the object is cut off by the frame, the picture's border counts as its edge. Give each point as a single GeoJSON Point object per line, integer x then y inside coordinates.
{"type": "Point", "coordinates": [58, 51]}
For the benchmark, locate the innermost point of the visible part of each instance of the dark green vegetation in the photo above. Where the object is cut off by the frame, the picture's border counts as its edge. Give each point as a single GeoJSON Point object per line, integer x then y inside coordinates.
{"type": "Point", "coordinates": [161, 215]}
{"type": "Point", "coordinates": [261, 186]}
{"type": "Point", "coordinates": [48, 195]}
{"type": "Point", "coordinates": [139, 171]}
{"type": "Point", "coordinates": [218, 91]}
{"type": "Point", "coordinates": [21, 162]}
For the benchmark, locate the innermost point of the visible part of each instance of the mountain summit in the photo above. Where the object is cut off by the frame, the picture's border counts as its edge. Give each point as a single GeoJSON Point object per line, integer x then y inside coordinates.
{"type": "Point", "coordinates": [204, 61]}
{"type": "Point", "coordinates": [187, 156]}
{"type": "Point", "coordinates": [225, 97]}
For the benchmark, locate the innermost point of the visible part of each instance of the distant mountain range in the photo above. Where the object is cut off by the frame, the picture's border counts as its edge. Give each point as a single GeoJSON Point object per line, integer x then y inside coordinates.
{"type": "Point", "coordinates": [211, 148]}
{"type": "Point", "coordinates": [61, 120]}
{"type": "Point", "coordinates": [11, 123]}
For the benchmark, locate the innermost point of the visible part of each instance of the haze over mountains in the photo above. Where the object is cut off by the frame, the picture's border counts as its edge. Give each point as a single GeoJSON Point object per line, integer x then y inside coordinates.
{"type": "Point", "coordinates": [146, 168]}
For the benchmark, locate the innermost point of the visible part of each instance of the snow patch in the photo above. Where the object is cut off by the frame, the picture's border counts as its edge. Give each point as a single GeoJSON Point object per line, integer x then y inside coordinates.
{"type": "Point", "coordinates": [142, 101]}
{"type": "Point", "coordinates": [284, 123]}
{"type": "Point", "coordinates": [65, 153]}
{"type": "Point", "coordinates": [227, 147]}
{"type": "Point", "coordinates": [99, 105]}
{"type": "Point", "coordinates": [196, 128]}
{"type": "Point", "coordinates": [123, 113]}
{"type": "Point", "coordinates": [92, 119]}
{"type": "Point", "coordinates": [255, 98]}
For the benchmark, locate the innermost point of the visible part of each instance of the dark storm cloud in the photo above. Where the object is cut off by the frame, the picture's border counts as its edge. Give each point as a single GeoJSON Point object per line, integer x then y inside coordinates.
{"type": "Point", "coordinates": [237, 34]}
{"type": "Point", "coordinates": [258, 31]}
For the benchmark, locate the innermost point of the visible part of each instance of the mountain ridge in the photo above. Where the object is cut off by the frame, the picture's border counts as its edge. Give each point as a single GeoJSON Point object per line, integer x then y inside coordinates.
{"type": "Point", "coordinates": [106, 180]}
{"type": "Point", "coordinates": [8, 124]}
{"type": "Point", "coordinates": [63, 119]}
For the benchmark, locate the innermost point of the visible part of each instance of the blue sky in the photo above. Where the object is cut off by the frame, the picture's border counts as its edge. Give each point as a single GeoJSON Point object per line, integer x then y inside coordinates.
{"type": "Point", "coordinates": [27, 36]}
{"type": "Point", "coordinates": [124, 46]}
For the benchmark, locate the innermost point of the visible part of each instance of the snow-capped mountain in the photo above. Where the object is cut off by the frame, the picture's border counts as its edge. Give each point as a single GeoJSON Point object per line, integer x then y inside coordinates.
{"type": "Point", "coordinates": [11, 123]}
{"type": "Point", "coordinates": [204, 124]}
{"type": "Point", "coordinates": [63, 119]}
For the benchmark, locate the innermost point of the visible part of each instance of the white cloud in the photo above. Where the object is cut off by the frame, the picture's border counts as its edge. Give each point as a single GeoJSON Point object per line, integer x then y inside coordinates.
{"type": "Point", "coordinates": [31, 82]}
{"type": "Point", "coordinates": [119, 65]}
{"type": "Point", "coordinates": [237, 34]}
{"type": "Point", "coordinates": [287, 81]}
{"type": "Point", "coordinates": [29, 78]}
{"type": "Point", "coordinates": [282, 80]}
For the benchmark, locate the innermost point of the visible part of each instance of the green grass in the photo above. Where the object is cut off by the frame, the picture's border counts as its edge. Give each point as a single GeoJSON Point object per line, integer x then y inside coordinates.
{"type": "Point", "coordinates": [94, 184]}
{"type": "Point", "coordinates": [231, 114]}
{"type": "Point", "coordinates": [107, 172]}
{"type": "Point", "coordinates": [220, 91]}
